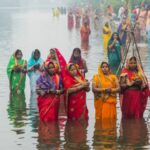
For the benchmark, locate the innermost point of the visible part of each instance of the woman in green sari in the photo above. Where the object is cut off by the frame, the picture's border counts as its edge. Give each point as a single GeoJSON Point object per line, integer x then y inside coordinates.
{"type": "Point", "coordinates": [16, 71]}
{"type": "Point", "coordinates": [114, 52]}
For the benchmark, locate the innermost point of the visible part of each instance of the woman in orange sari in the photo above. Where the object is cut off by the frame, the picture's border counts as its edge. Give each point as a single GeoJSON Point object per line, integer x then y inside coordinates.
{"type": "Point", "coordinates": [76, 87]}
{"type": "Point", "coordinates": [49, 89]}
{"type": "Point", "coordinates": [85, 33]}
{"type": "Point", "coordinates": [135, 91]}
{"type": "Point", "coordinates": [105, 87]}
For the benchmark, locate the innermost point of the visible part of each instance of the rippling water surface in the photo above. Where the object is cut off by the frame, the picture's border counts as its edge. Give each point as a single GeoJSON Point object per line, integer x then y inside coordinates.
{"type": "Point", "coordinates": [28, 29]}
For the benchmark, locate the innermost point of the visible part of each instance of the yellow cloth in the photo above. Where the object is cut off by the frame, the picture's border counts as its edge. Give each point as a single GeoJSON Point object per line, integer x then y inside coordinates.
{"type": "Point", "coordinates": [105, 105]}
{"type": "Point", "coordinates": [106, 36]}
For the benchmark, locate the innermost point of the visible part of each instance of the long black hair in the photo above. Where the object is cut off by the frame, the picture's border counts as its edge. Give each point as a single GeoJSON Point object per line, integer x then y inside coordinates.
{"type": "Point", "coordinates": [112, 38]}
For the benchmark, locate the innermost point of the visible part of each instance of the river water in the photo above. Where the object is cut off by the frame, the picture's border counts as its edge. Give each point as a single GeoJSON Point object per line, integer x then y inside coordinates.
{"type": "Point", "coordinates": [28, 29]}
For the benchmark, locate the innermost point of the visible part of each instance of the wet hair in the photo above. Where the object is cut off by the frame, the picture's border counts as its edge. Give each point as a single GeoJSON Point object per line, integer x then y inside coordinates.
{"type": "Point", "coordinates": [104, 62]}
{"type": "Point", "coordinates": [52, 50]}
{"type": "Point", "coordinates": [133, 58]}
{"type": "Point", "coordinates": [112, 37]}
{"type": "Point", "coordinates": [77, 49]}
{"type": "Point", "coordinates": [37, 51]}
{"type": "Point", "coordinates": [17, 52]}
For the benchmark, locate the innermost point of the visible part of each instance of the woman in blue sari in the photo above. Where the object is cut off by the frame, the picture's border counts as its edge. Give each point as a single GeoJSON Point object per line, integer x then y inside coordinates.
{"type": "Point", "coordinates": [34, 68]}
{"type": "Point", "coordinates": [114, 52]}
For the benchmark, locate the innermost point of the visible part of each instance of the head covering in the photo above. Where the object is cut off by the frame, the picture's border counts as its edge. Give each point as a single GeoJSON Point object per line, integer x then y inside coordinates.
{"type": "Point", "coordinates": [70, 80]}
{"type": "Point", "coordinates": [33, 62]}
{"type": "Point", "coordinates": [61, 60]}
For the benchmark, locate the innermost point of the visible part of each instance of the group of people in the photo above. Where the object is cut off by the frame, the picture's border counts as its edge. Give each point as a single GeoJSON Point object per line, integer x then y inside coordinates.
{"type": "Point", "coordinates": [54, 80]}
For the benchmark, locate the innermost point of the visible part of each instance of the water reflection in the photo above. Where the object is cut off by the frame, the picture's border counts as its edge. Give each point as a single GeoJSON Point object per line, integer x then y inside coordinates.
{"type": "Point", "coordinates": [105, 134]}
{"type": "Point", "coordinates": [33, 112]}
{"type": "Point", "coordinates": [133, 134]}
{"type": "Point", "coordinates": [17, 112]}
{"type": "Point", "coordinates": [76, 135]}
{"type": "Point", "coordinates": [48, 135]}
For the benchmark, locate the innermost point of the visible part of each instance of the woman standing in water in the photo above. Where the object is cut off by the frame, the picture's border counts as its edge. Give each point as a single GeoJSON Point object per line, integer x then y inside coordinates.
{"type": "Point", "coordinates": [135, 92]}
{"type": "Point", "coordinates": [77, 59]}
{"type": "Point", "coordinates": [34, 68]}
{"type": "Point", "coordinates": [49, 89]}
{"type": "Point", "coordinates": [85, 33]}
{"type": "Point", "coordinates": [114, 52]}
{"type": "Point", "coordinates": [70, 20]}
{"type": "Point", "coordinates": [60, 65]}
{"type": "Point", "coordinates": [16, 71]}
{"type": "Point", "coordinates": [107, 32]}
{"type": "Point", "coordinates": [76, 86]}
{"type": "Point", "coordinates": [105, 88]}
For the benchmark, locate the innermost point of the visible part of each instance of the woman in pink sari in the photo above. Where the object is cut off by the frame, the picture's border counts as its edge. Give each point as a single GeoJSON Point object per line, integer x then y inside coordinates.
{"type": "Point", "coordinates": [76, 87]}
{"type": "Point", "coordinates": [49, 89]}
{"type": "Point", "coordinates": [135, 91]}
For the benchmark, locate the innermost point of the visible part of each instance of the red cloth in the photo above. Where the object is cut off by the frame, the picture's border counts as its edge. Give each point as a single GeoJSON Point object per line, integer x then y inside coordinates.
{"type": "Point", "coordinates": [134, 101]}
{"type": "Point", "coordinates": [49, 105]}
{"type": "Point", "coordinates": [63, 64]}
{"type": "Point", "coordinates": [61, 59]}
{"type": "Point", "coordinates": [76, 103]}
{"type": "Point", "coordinates": [70, 21]}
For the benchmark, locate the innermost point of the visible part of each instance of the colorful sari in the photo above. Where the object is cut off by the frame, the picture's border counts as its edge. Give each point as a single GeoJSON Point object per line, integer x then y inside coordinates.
{"type": "Point", "coordinates": [48, 103]}
{"type": "Point", "coordinates": [34, 75]}
{"type": "Point", "coordinates": [134, 100]}
{"type": "Point", "coordinates": [105, 104]}
{"type": "Point", "coordinates": [85, 32]}
{"type": "Point", "coordinates": [60, 65]}
{"type": "Point", "coordinates": [61, 62]}
{"type": "Point", "coordinates": [114, 55]}
{"type": "Point", "coordinates": [76, 102]}
{"type": "Point", "coordinates": [16, 78]}
{"type": "Point", "coordinates": [107, 32]}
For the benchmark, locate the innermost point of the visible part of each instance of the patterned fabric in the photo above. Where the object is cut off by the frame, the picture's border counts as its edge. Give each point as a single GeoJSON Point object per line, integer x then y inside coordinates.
{"type": "Point", "coordinates": [17, 77]}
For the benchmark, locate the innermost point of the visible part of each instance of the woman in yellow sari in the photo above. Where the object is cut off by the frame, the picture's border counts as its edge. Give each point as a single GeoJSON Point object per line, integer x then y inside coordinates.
{"type": "Point", "coordinates": [107, 32]}
{"type": "Point", "coordinates": [105, 87]}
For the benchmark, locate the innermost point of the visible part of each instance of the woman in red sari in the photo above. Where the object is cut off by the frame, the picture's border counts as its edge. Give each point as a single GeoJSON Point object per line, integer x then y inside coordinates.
{"type": "Point", "coordinates": [49, 89]}
{"type": "Point", "coordinates": [135, 91]}
{"type": "Point", "coordinates": [70, 20]}
{"type": "Point", "coordinates": [85, 33]}
{"type": "Point", "coordinates": [60, 63]}
{"type": "Point", "coordinates": [76, 87]}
